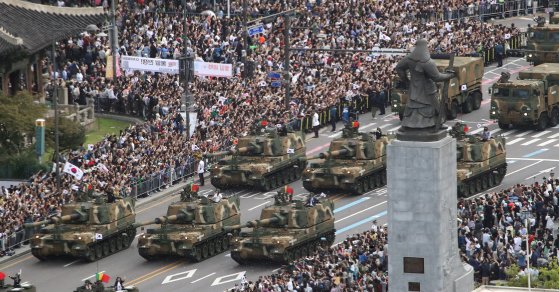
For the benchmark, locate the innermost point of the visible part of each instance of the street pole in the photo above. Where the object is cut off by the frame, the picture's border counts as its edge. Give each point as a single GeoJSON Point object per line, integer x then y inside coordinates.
{"type": "Point", "coordinates": [245, 29]}
{"type": "Point", "coordinates": [286, 60]}
{"type": "Point", "coordinates": [186, 73]}
{"type": "Point", "coordinates": [113, 38]}
{"type": "Point", "coordinates": [228, 8]}
{"type": "Point", "coordinates": [528, 253]}
{"type": "Point", "coordinates": [55, 100]}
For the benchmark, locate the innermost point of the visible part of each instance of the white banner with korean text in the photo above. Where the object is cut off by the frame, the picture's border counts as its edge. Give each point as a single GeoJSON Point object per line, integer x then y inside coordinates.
{"type": "Point", "coordinates": [213, 69]}
{"type": "Point", "coordinates": [131, 63]}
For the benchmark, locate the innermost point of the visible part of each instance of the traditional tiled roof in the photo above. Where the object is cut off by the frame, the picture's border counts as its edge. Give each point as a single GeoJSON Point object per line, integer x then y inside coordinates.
{"type": "Point", "coordinates": [32, 27]}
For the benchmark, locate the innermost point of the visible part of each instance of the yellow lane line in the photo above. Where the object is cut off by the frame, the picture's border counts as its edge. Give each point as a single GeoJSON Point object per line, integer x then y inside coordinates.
{"type": "Point", "coordinates": [16, 262]}
{"type": "Point", "coordinates": [149, 206]}
{"type": "Point", "coordinates": [155, 273]}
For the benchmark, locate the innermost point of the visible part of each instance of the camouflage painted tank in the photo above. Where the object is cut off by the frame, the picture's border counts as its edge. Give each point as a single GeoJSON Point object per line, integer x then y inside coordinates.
{"type": "Point", "coordinates": [287, 230]}
{"type": "Point", "coordinates": [87, 229]}
{"type": "Point", "coordinates": [193, 228]}
{"type": "Point", "coordinates": [268, 159]}
{"type": "Point", "coordinates": [464, 91]}
{"type": "Point", "coordinates": [356, 162]}
{"type": "Point", "coordinates": [481, 165]}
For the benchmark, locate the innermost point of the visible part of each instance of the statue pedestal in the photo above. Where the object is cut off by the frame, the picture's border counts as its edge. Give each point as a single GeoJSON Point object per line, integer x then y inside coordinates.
{"type": "Point", "coordinates": [422, 238]}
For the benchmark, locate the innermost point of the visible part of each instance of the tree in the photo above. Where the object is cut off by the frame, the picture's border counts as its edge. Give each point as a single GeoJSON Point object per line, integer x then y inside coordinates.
{"type": "Point", "coordinates": [17, 120]}
{"type": "Point", "coordinates": [71, 134]}
{"type": "Point", "coordinates": [548, 277]}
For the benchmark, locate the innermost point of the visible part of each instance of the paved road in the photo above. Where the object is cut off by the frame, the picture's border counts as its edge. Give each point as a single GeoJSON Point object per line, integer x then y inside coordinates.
{"type": "Point", "coordinates": [530, 155]}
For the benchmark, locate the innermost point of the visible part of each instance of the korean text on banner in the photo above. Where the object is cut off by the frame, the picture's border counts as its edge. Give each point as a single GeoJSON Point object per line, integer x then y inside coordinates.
{"type": "Point", "coordinates": [131, 63]}
{"type": "Point", "coordinates": [213, 69]}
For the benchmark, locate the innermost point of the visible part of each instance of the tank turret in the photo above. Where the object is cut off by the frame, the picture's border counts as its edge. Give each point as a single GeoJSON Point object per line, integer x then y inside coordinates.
{"type": "Point", "coordinates": [356, 162]}
{"type": "Point", "coordinates": [87, 229]}
{"type": "Point", "coordinates": [264, 160]}
{"type": "Point", "coordinates": [286, 230]}
{"type": "Point", "coordinates": [192, 228]}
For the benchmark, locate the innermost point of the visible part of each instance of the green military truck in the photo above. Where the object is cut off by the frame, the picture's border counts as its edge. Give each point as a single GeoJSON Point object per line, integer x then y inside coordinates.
{"type": "Point", "coordinates": [531, 100]}
{"type": "Point", "coordinates": [542, 45]}
{"type": "Point", "coordinates": [464, 91]}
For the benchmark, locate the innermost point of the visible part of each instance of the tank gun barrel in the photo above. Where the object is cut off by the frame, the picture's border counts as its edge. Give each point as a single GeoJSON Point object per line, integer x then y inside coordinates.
{"type": "Point", "coordinates": [336, 153]}
{"type": "Point", "coordinates": [250, 148]}
{"type": "Point", "coordinates": [220, 153]}
{"type": "Point", "coordinates": [54, 220]}
{"type": "Point", "coordinates": [259, 222]}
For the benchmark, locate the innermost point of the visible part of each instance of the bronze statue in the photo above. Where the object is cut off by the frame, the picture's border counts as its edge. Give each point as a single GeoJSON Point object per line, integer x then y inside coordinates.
{"type": "Point", "coordinates": [423, 109]}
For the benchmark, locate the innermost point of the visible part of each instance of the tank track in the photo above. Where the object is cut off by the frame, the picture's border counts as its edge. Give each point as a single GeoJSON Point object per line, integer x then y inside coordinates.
{"type": "Point", "coordinates": [209, 247]}
{"type": "Point", "coordinates": [483, 181]}
{"type": "Point", "coordinates": [362, 184]}
{"type": "Point", "coordinates": [281, 177]}
{"type": "Point", "coordinates": [110, 245]}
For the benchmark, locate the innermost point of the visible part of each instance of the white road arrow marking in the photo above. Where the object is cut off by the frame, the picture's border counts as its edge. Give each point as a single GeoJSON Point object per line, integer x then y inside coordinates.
{"type": "Point", "coordinates": [220, 280]}
{"type": "Point", "coordinates": [202, 278]}
{"type": "Point", "coordinates": [171, 278]}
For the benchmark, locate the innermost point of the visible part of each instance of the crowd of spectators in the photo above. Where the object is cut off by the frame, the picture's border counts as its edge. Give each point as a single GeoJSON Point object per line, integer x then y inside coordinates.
{"type": "Point", "coordinates": [492, 236]}
{"type": "Point", "coordinates": [226, 107]}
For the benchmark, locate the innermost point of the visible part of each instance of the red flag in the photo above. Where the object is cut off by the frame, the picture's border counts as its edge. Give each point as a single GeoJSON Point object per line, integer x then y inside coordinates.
{"type": "Point", "coordinates": [194, 188]}
{"type": "Point", "coordinates": [289, 190]}
{"type": "Point", "coordinates": [466, 129]}
{"type": "Point", "coordinates": [264, 123]}
{"type": "Point", "coordinates": [2, 276]}
{"type": "Point", "coordinates": [355, 124]}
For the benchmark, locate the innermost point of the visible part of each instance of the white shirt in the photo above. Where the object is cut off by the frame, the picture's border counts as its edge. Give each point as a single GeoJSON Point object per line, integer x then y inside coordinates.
{"type": "Point", "coordinates": [315, 121]}
{"type": "Point", "coordinates": [201, 165]}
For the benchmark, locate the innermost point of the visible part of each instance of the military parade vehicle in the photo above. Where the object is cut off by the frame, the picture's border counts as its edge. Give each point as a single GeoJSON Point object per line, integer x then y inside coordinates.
{"type": "Point", "coordinates": [356, 162]}
{"type": "Point", "coordinates": [542, 45]}
{"type": "Point", "coordinates": [17, 284]}
{"type": "Point", "coordinates": [481, 164]}
{"type": "Point", "coordinates": [193, 227]}
{"type": "Point", "coordinates": [87, 229]}
{"type": "Point", "coordinates": [287, 230]}
{"type": "Point", "coordinates": [102, 288]}
{"type": "Point", "coordinates": [265, 160]}
{"type": "Point", "coordinates": [464, 90]}
{"type": "Point", "coordinates": [532, 100]}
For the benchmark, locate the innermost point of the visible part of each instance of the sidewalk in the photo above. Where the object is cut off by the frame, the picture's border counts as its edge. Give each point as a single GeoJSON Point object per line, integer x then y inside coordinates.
{"type": "Point", "coordinates": [176, 188]}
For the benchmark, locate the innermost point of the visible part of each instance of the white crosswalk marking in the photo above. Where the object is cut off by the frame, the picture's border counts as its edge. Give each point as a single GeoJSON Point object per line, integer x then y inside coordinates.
{"type": "Point", "coordinates": [475, 131]}
{"type": "Point", "coordinates": [394, 129]}
{"type": "Point", "coordinates": [524, 133]}
{"type": "Point", "coordinates": [384, 126]}
{"type": "Point", "coordinates": [509, 132]}
{"type": "Point", "coordinates": [515, 141]}
{"type": "Point", "coordinates": [531, 141]}
{"type": "Point", "coordinates": [547, 142]}
{"type": "Point", "coordinates": [554, 136]}
{"type": "Point", "coordinates": [541, 134]}
{"type": "Point", "coordinates": [495, 131]}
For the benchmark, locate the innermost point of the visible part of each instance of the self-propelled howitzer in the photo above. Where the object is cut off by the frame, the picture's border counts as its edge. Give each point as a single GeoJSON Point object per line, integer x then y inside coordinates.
{"type": "Point", "coordinates": [481, 165]}
{"type": "Point", "coordinates": [265, 160]}
{"type": "Point", "coordinates": [192, 228]}
{"type": "Point", "coordinates": [285, 231]}
{"type": "Point", "coordinates": [356, 162]}
{"type": "Point", "coordinates": [88, 229]}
